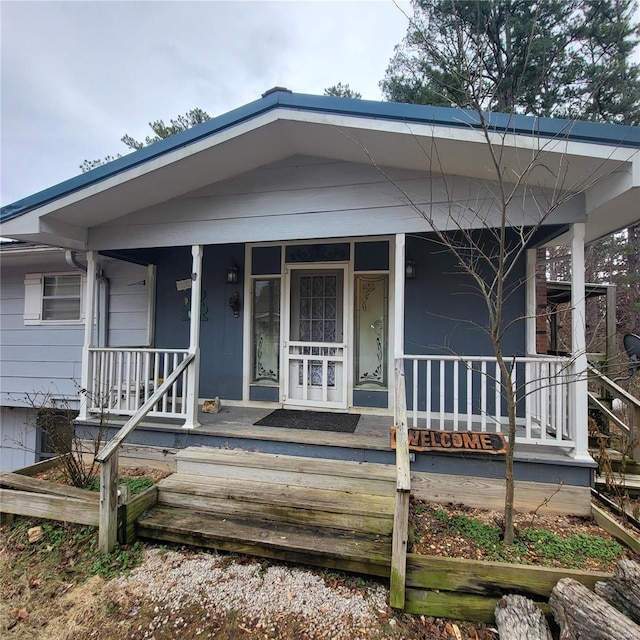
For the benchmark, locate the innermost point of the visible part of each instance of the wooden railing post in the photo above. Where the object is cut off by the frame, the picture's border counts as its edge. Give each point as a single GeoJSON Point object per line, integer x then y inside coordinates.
{"type": "Point", "coordinates": [635, 430]}
{"type": "Point", "coordinates": [108, 528]}
{"type": "Point", "coordinates": [403, 488]}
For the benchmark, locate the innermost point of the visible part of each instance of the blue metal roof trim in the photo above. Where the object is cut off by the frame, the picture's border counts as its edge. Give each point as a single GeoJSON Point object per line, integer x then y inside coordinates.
{"type": "Point", "coordinates": [593, 132]}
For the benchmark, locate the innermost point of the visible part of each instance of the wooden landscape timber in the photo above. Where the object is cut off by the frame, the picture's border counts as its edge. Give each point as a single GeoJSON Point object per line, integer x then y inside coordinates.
{"type": "Point", "coordinates": [23, 495]}
{"type": "Point", "coordinates": [488, 493]}
{"type": "Point", "coordinates": [614, 528]}
{"type": "Point", "coordinates": [469, 589]}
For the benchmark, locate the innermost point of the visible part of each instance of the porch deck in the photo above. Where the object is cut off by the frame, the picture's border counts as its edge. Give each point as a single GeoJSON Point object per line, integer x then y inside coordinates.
{"type": "Point", "coordinates": [476, 479]}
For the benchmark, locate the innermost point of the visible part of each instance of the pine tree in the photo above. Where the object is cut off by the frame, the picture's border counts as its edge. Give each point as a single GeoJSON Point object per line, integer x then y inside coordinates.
{"type": "Point", "coordinates": [555, 58]}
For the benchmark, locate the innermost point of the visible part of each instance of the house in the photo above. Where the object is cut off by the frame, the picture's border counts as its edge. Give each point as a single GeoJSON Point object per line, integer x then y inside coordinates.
{"type": "Point", "coordinates": [279, 255]}
{"type": "Point", "coordinates": [42, 291]}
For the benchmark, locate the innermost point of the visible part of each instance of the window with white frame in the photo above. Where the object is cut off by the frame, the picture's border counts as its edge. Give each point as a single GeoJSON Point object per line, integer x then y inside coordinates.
{"type": "Point", "coordinates": [54, 298]}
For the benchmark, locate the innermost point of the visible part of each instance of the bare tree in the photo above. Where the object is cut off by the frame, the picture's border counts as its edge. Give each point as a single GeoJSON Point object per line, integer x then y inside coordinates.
{"type": "Point", "coordinates": [489, 237]}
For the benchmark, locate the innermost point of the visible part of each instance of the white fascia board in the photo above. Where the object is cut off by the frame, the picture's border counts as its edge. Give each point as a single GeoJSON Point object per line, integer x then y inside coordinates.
{"type": "Point", "coordinates": [559, 145]}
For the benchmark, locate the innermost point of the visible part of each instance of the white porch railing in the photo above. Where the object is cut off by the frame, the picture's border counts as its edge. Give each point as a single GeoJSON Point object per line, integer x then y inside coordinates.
{"type": "Point", "coordinates": [465, 393]}
{"type": "Point", "coordinates": [122, 380]}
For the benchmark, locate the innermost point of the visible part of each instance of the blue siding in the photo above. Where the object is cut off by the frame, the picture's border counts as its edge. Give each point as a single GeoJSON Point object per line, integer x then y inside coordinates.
{"type": "Point", "coordinates": [259, 393]}
{"type": "Point", "coordinates": [372, 256]}
{"type": "Point", "coordinates": [220, 332]}
{"type": "Point", "coordinates": [371, 399]}
{"type": "Point", "coordinates": [445, 314]}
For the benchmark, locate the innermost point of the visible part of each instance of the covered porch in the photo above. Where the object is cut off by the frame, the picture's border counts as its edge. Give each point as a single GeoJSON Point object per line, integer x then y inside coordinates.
{"type": "Point", "coordinates": [450, 386]}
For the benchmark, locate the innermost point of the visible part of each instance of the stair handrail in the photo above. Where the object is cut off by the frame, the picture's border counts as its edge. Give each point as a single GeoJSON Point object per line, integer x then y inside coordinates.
{"type": "Point", "coordinates": [108, 459]}
{"type": "Point", "coordinates": [633, 403]}
{"type": "Point", "coordinates": [403, 489]}
{"type": "Point", "coordinates": [614, 388]}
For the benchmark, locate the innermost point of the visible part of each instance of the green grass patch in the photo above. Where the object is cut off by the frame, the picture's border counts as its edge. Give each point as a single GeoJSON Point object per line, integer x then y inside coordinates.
{"type": "Point", "coordinates": [137, 485]}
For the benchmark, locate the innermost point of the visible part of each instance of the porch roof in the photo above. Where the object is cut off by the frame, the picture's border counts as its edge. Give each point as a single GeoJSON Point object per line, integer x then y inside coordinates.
{"type": "Point", "coordinates": [601, 159]}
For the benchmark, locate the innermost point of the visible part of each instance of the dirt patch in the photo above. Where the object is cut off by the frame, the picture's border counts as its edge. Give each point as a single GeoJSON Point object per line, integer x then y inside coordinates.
{"type": "Point", "coordinates": [57, 475]}
{"type": "Point", "coordinates": [51, 590]}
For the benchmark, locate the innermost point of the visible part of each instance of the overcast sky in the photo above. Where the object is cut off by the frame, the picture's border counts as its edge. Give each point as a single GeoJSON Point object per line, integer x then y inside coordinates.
{"type": "Point", "coordinates": [76, 76]}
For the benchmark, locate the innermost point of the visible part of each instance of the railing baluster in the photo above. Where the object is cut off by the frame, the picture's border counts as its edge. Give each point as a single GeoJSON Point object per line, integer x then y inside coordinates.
{"type": "Point", "coordinates": [174, 389]}
{"type": "Point", "coordinates": [165, 375]}
{"type": "Point", "coordinates": [414, 413]}
{"type": "Point", "coordinates": [469, 365]}
{"type": "Point", "coordinates": [544, 396]}
{"type": "Point", "coordinates": [428, 392]}
{"type": "Point", "coordinates": [456, 393]}
{"type": "Point", "coordinates": [498, 394]}
{"type": "Point", "coordinates": [147, 374]}
{"type": "Point", "coordinates": [442, 372]}
{"type": "Point", "coordinates": [325, 381]}
{"type": "Point", "coordinates": [483, 395]}
{"type": "Point", "coordinates": [527, 400]}
{"type": "Point", "coordinates": [558, 403]}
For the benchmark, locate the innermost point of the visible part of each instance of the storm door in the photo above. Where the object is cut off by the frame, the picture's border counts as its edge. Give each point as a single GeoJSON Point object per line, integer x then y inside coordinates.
{"type": "Point", "coordinates": [314, 349]}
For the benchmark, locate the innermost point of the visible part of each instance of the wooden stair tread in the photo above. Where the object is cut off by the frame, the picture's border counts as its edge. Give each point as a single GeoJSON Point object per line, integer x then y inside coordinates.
{"type": "Point", "coordinates": [257, 490]}
{"type": "Point", "coordinates": [295, 464]}
{"type": "Point", "coordinates": [245, 536]}
{"type": "Point", "coordinates": [288, 478]}
{"type": "Point", "coordinates": [630, 481]}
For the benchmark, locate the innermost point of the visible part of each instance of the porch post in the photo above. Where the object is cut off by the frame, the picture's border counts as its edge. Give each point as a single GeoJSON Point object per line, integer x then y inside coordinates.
{"type": "Point", "coordinates": [578, 397]}
{"type": "Point", "coordinates": [398, 300]}
{"type": "Point", "coordinates": [86, 383]}
{"type": "Point", "coordinates": [531, 312]}
{"type": "Point", "coordinates": [193, 372]}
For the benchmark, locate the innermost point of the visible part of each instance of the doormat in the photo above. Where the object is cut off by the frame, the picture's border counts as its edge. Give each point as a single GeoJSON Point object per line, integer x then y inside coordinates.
{"type": "Point", "coordinates": [313, 420]}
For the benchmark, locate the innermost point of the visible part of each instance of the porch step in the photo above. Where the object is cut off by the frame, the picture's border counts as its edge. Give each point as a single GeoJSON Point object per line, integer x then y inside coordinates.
{"type": "Point", "coordinates": [629, 481]}
{"type": "Point", "coordinates": [324, 512]}
{"type": "Point", "coordinates": [269, 502]}
{"type": "Point", "coordinates": [322, 547]}
{"type": "Point", "coordinates": [355, 477]}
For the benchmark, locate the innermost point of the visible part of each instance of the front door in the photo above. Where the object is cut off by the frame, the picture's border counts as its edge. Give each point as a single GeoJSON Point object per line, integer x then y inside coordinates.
{"type": "Point", "coordinates": [314, 348]}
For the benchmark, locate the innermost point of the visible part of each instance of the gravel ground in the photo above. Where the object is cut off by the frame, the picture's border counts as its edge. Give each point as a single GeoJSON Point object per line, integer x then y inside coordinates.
{"type": "Point", "coordinates": [259, 593]}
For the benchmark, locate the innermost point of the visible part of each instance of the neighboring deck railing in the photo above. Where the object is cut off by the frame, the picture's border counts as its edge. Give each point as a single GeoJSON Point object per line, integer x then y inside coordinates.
{"type": "Point", "coordinates": [467, 393]}
{"type": "Point", "coordinates": [627, 418]}
{"type": "Point", "coordinates": [121, 380]}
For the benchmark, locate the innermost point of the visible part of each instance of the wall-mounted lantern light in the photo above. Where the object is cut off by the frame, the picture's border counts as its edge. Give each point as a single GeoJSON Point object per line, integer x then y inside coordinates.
{"type": "Point", "coordinates": [232, 274]}
{"type": "Point", "coordinates": [410, 270]}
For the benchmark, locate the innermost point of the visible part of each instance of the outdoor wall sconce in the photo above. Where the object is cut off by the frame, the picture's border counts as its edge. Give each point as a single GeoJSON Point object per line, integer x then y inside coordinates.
{"type": "Point", "coordinates": [234, 304]}
{"type": "Point", "coordinates": [410, 270]}
{"type": "Point", "coordinates": [232, 274]}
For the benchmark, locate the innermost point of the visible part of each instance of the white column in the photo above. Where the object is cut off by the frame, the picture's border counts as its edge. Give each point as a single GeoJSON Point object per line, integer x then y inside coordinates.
{"type": "Point", "coordinates": [86, 382]}
{"type": "Point", "coordinates": [579, 400]}
{"type": "Point", "coordinates": [531, 310]}
{"type": "Point", "coordinates": [193, 377]}
{"type": "Point", "coordinates": [398, 304]}
{"type": "Point", "coordinates": [398, 290]}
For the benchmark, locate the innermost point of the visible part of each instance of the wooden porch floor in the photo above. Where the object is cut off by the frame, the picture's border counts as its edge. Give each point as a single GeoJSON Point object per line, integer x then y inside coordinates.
{"type": "Point", "coordinates": [238, 423]}
{"type": "Point", "coordinates": [326, 513]}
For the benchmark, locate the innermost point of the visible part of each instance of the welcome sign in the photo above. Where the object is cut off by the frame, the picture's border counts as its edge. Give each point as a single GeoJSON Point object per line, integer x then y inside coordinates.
{"type": "Point", "coordinates": [469, 441]}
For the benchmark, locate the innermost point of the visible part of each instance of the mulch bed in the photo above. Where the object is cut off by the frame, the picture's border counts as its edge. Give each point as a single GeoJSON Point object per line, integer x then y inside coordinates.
{"type": "Point", "coordinates": [432, 536]}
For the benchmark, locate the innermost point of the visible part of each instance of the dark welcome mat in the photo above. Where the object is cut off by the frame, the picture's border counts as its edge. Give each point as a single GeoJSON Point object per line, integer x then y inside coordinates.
{"type": "Point", "coordinates": [315, 420]}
